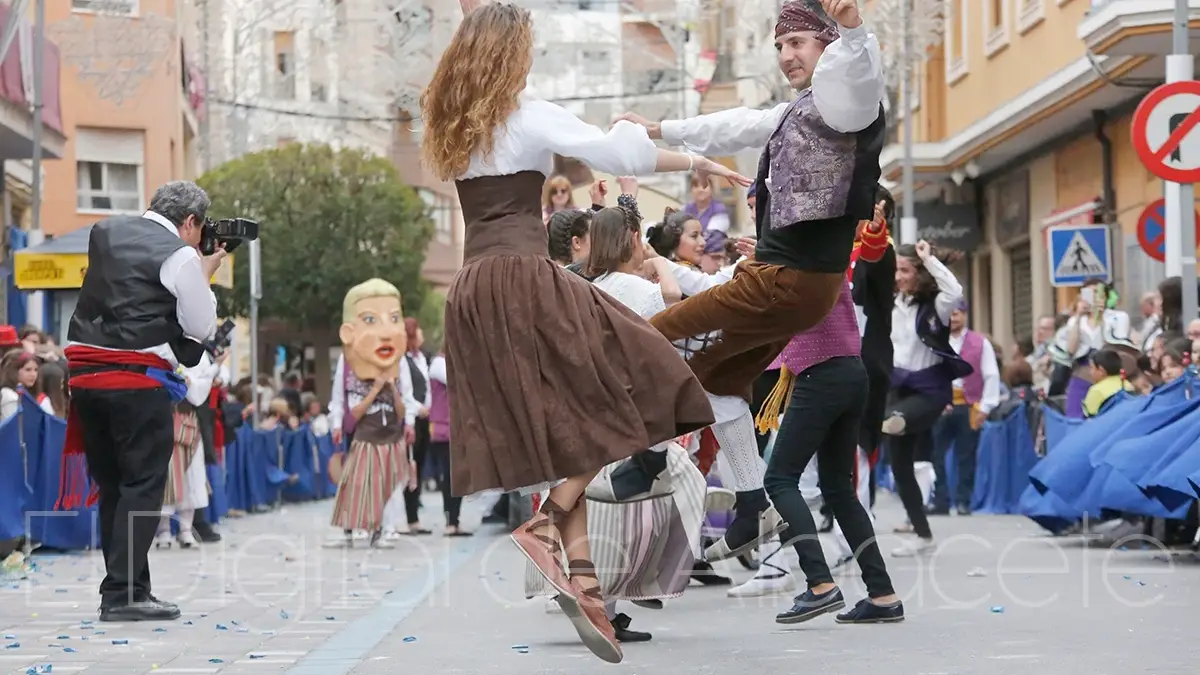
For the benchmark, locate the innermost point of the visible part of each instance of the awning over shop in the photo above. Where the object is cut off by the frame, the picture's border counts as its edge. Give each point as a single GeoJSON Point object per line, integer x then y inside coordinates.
{"type": "Point", "coordinates": [61, 263]}
{"type": "Point", "coordinates": [54, 264]}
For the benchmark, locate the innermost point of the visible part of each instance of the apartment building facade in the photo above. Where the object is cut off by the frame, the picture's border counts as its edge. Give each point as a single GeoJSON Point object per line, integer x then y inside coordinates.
{"type": "Point", "coordinates": [1023, 111]}
{"type": "Point", "coordinates": [130, 96]}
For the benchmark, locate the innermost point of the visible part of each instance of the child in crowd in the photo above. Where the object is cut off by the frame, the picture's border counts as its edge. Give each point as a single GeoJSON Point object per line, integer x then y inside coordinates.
{"type": "Point", "coordinates": [1175, 358]}
{"type": "Point", "coordinates": [1107, 380]}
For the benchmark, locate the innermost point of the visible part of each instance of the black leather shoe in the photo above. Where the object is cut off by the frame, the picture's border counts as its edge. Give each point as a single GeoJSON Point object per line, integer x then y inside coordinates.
{"type": "Point", "coordinates": [705, 574]}
{"type": "Point", "coordinates": [147, 610]}
{"type": "Point", "coordinates": [868, 612]}
{"type": "Point", "coordinates": [620, 624]}
{"type": "Point", "coordinates": [150, 598]}
{"type": "Point", "coordinates": [809, 605]}
{"type": "Point", "coordinates": [205, 533]}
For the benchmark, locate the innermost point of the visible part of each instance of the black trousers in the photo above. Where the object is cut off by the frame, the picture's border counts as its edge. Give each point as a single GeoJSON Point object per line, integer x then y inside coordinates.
{"type": "Point", "coordinates": [128, 437]}
{"type": "Point", "coordinates": [920, 413]}
{"type": "Point", "coordinates": [412, 498]}
{"type": "Point", "coordinates": [823, 419]}
{"type": "Point", "coordinates": [954, 429]}
{"type": "Point", "coordinates": [439, 452]}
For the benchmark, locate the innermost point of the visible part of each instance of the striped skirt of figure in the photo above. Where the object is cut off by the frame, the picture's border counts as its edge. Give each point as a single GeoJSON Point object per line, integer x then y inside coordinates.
{"type": "Point", "coordinates": [643, 550]}
{"type": "Point", "coordinates": [187, 434]}
{"type": "Point", "coordinates": [370, 474]}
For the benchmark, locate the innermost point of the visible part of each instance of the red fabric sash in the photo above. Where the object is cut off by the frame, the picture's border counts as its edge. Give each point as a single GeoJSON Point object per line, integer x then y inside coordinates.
{"type": "Point", "coordinates": [214, 402]}
{"type": "Point", "coordinates": [74, 480]}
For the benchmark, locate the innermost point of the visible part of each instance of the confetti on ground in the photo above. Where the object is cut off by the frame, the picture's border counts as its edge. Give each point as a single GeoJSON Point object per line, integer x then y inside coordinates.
{"type": "Point", "coordinates": [120, 642]}
{"type": "Point", "coordinates": [69, 650]}
{"type": "Point", "coordinates": [997, 610]}
{"type": "Point", "coordinates": [410, 639]}
{"type": "Point", "coordinates": [283, 614]}
{"type": "Point", "coordinates": [331, 618]}
{"type": "Point", "coordinates": [13, 645]}
{"type": "Point", "coordinates": [222, 626]}
{"type": "Point", "coordinates": [160, 630]}
{"type": "Point", "coordinates": [216, 661]}
{"type": "Point", "coordinates": [254, 657]}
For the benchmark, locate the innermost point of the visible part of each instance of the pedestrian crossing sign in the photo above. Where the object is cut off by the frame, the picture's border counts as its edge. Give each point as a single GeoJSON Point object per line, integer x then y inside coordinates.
{"type": "Point", "coordinates": [1079, 253]}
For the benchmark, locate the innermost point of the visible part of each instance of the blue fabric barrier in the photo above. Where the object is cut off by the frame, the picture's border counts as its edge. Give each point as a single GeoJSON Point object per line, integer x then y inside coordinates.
{"type": "Point", "coordinates": [1006, 456]}
{"type": "Point", "coordinates": [260, 469]}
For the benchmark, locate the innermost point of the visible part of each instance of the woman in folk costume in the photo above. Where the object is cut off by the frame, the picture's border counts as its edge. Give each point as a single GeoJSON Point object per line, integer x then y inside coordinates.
{"type": "Point", "coordinates": [678, 235]}
{"type": "Point", "coordinates": [871, 278]}
{"type": "Point", "coordinates": [187, 479]}
{"type": "Point", "coordinates": [643, 550]}
{"type": "Point", "coordinates": [925, 365]}
{"type": "Point", "coordinates": [521, 413]}
{"type": "Point", "coordinates": [377, 419]}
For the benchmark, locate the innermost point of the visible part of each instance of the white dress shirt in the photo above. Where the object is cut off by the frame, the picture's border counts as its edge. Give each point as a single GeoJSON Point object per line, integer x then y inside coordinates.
{"type": "Point", "coordinates": [336, 401]}
{"type": "Point", "coordinates": [910, 353]}
{"type": "Point", "coordinates": [437, 369]}
{"type": "Point", "coordinates": [196, 305]}
{"type": "Point", "coordinates": [990, 398]}
{"type": "Point", "coordinates": [847, 89]}
{"type": "Point", "coordinates": [423, 368]}
{"type": "Point", "coordinates": [200, 380]}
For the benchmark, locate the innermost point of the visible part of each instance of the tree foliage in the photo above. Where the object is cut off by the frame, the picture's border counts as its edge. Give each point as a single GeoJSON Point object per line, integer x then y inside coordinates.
{"type": "Point", "coordinates": [328, 219]}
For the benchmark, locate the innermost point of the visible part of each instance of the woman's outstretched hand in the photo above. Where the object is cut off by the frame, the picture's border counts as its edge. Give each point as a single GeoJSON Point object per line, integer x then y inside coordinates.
{"type": "Point", "coordinates": [706, 168]}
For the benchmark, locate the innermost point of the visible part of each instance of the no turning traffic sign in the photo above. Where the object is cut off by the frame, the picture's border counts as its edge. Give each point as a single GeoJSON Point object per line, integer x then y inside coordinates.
{"type": "Point", "coordinates": [1165, 133]}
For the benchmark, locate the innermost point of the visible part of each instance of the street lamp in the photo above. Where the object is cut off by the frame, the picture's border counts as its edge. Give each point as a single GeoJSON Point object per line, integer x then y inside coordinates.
{"type": "Point", "coordinates": [906, 30]}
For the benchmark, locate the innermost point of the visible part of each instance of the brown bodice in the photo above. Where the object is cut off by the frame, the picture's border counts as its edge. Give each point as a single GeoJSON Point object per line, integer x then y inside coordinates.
{"type": "Point", "coordinates": [503, 215]}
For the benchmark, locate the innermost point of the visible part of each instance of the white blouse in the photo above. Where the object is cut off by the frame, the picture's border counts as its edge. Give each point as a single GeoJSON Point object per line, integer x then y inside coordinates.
{"type": "Point", "coordinates": [640, 295]}
{"type": "Point", "coordinates": [538, 130]}
{"type": "Point", "coordinates": [910, 353]}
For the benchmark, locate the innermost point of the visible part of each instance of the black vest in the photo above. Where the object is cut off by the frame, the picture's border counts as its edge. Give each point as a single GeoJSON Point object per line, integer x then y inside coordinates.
{"type": "Point", "coordinates": [123, 304]}
{"type": "Point", "coordinates": [420, 385]}
{"type": "Point", "coordinates": [936, 336]}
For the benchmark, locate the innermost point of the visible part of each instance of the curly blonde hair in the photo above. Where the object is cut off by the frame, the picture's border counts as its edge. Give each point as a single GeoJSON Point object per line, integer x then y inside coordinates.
{"type": "Point", "coordinates": [475, 87]}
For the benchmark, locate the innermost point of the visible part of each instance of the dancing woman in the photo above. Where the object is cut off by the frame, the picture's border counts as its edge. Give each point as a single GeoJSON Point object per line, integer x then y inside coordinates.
{"type": "Point", "coordinates": [925, 366]}
{"type": "Point", "coordinates": [524, 410]}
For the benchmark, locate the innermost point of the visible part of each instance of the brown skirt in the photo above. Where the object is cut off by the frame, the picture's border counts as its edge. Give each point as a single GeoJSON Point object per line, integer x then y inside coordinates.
{"type": "Point", "coordinates": [549, 377]}
{"type": "Point", "coordinates": [758, 312]}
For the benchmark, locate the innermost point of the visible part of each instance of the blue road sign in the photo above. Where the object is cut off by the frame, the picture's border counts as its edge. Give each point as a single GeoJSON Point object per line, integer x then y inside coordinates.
{"type": "Point", "coordinates": [1079, 253]}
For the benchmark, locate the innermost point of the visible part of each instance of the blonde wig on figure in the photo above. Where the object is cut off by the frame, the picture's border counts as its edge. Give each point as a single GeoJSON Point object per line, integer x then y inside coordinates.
{"type": "Point", "coordinates": [371, 288]}
{"type": "Point", "coordinates": [475, 87]}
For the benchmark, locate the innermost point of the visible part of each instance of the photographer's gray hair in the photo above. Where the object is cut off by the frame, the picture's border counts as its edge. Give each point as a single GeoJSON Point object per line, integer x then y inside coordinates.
{"type": "Point", "coordinates": [179, 199]}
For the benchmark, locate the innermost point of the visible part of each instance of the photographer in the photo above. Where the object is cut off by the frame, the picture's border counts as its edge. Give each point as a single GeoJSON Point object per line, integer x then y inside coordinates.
{"type": "Point", "coordinates": [144, 309]}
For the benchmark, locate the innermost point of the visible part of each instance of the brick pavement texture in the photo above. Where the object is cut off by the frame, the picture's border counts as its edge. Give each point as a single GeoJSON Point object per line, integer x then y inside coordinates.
{"type": "Point", "coordinates": [999, 597]}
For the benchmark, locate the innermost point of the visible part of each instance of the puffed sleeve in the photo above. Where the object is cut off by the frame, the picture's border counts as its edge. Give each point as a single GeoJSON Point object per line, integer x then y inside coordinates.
{"type": "Point", "coordinates": [624, 150]}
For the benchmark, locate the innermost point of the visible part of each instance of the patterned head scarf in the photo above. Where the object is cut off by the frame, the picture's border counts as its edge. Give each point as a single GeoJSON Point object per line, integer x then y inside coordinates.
{"type": "Point", "coordinates": [806, 15]}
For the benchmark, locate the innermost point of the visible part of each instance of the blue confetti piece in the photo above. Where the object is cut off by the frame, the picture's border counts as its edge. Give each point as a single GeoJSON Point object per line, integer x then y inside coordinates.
{"type": "Point", "coordinates": [54, 645]}
{"type": "Point", "coordinates": [10, 636]}
{"type": "Point", "coordinates": [204, 614]}
{"type": "Point", "coordinates": [222, 626]}
{"type": "Point", "coordinates": [236, 623]}
{"type": "Point", "coordinates": [63, 637]}
{"type": "Point", "coordinates": [120, 642]}
{"type": "Point", "coordinates": [188, 623]}
{"type": "Point", "coordinates": [997, 610]}
{"type": "Point", "coordinates": [520, 647]}
{"type": "Point", "coordinates": [1141, 583]}
{"type": "Point", "coordinates": [1126, 577]}
{"type": "Point", "coordinates": [410, 639]}
{"type": "Point", "coordinates": [216, 661]}
{"type": "Point", "coordinates": [13, 645]}
{"type": "Point", "coordinates": [69, 650]}
{"type": "Point", "coordinates": [99, 632]}
{"type": "Point", "coordinates": [283, 614]}
{"type": "Point", "coordinates": [160, 630]}
{"type": "Point", "coordinates": [60, 590]}
{"type": "Point", "coordinates": [331, 618]}
{"type": "Point", "coordinates": [86, 622]}
{"type": "Point", "coordinates": [255, 657]}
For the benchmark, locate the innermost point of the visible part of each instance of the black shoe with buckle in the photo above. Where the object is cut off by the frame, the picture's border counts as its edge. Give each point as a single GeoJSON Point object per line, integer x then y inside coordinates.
{"type": "Point", "coordinates": [145, 610]}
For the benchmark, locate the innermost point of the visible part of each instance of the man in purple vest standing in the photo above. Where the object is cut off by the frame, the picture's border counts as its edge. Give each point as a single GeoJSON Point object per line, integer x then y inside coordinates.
{"type": "Point", "coordinates": [975, 396]}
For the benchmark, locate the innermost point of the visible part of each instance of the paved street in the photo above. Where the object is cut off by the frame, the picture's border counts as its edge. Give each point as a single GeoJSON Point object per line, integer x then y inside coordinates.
{"type": "Point", "coordinates": [999, 598]}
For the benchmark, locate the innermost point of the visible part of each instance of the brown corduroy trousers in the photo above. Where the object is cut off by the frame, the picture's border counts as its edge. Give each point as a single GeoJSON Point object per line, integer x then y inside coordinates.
{"type": "Point", "coordinates": [758, 312]}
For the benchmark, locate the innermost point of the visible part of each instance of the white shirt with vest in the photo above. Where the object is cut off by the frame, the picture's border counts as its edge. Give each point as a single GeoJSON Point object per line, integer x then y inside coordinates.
{"type": "Point", "coordinates": [989, 370]}
{"type": "Point", "coordinates": [909, 352]}
{"type": "Point", "coordinates": [847, 89]}
{"type": "Point", "coordinates": [182, 275]}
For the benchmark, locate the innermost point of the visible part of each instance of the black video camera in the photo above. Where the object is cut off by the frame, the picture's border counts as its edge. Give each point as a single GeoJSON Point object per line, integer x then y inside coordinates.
{"type": "Point", "coordinates": [230, 231]}
{"type": "Point", "coordinates": [221, 340]}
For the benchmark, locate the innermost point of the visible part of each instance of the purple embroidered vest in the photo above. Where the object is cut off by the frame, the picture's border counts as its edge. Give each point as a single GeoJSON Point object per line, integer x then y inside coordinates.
{"type": "Point", "coordinates": [439, 412]}
{"type": "Point", "coordinates": [836, 335]}
{"type": "Point", "coordinates": [811, 166]}
{"type": "Point", "coordinates": [972, 353]}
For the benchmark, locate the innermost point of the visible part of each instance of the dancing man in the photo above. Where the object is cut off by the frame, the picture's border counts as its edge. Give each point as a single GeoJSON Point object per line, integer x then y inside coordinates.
{"type": "Point", "coordinates": [816, 181]}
